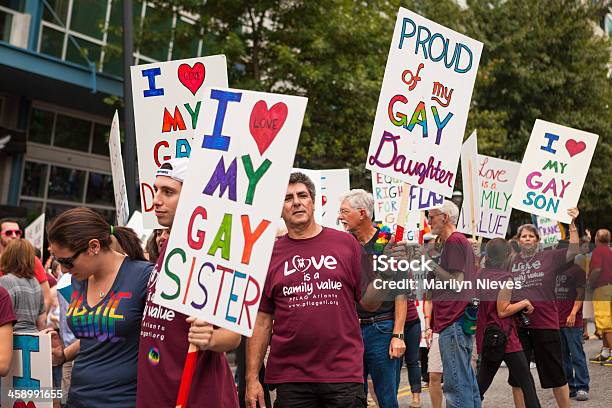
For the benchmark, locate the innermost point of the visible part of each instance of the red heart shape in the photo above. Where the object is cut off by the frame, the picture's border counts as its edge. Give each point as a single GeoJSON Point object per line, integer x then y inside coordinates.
{"type": "Point", "coordinates": [192, 78]}
{"type": "Point", "coordinates": [573, 147]}
{"type": "Point", "coordinates": [22, 404]}
{"type": "Point", "coordinates": [265, 123]}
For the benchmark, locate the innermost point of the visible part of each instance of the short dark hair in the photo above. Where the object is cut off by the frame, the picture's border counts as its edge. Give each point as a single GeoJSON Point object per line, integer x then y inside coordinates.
{"type": "Point", "coordinates": [497, 253]}
{"type": "Point", "coordinates": [3, 220]}
{"type": "Point", "coordinates": [298, 177]}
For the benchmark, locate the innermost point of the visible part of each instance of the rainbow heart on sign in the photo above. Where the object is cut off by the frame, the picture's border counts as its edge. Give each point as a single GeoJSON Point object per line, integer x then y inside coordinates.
{"type": "Point", "coordinates": [265, 123]}
{"type": "Point", "coordinates": [192, 78]}
{"type": "Point", "coordinates": [573, 147]}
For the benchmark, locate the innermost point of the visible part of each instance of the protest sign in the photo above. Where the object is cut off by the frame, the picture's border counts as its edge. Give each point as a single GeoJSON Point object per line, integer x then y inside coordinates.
{"type": "Point", "coordinates": [496, 178]}
{"type": "Point", "coordinates": [334, 183]}
{"type": "Point", "coordinates": [424, 101]}
{"type": "Point", "coordinates": [167, 109]}
{"type": "Point", "coordinates": [136, 223]}
{"type": "Point", "coordinates": [550, 232]}
{"type": "Point", "coordinates": [469, 179]}
{"type": "Point", "coordinates": [222, 237]}
{"type": "Point", "coordinates": [553, 170]}
{"type": "Point", "coordinates": [30, 371]}
{"type": "Point", "coordinates": [116, 159]}
{"type": "Point", "coordinates": [35, 233]}
{"type": "Point", "coordinates": [387, 192]}
{"type": "Point", "coordinates": [315, 177]}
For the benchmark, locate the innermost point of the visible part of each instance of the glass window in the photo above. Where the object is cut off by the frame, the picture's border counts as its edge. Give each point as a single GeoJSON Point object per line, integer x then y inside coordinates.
{"type": "Point", "coordinates": [60, 8]}
{"type": "Point", "coordinates": [72, 133]}
{"type": "Point", "coordinates": [16, 5]}
{"type": "Point", "coordinates": [66, 184]}
{"type": "Point", "coordinates": [156, 34]}
{"type": "Point", "coordinates": [41, 126]}
{"type": "Point", "coordinates": [88, 17]}
{"type": "Point", "coordinates": [34, 179]}
{"type": "Point", "coordinates": [91, 51]}
{"type": "Point", "coordinates": [100, 189]}
{"type": "Point", "coordinates": [100, 139]}
{"type": "Point", "coordinates": [51, 42]}
{"type": "Point", "coordinates": [52, 210]}
{"type": "Point", "coordinates": [34, 209]}
{"type": "Point", "coordinates": [185, 40]}
{"type": "Point", "coordinates": [6, 21]}
{"type": "Point", "coordinates": [109, 215]}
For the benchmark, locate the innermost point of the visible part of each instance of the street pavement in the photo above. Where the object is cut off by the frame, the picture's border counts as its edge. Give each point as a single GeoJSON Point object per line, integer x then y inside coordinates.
{"type": "Point", "coordinates": [500, 394]}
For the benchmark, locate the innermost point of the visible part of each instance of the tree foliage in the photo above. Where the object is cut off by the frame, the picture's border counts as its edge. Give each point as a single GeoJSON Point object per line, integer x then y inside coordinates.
{"type": "Point", "coordinates": [541, 59]}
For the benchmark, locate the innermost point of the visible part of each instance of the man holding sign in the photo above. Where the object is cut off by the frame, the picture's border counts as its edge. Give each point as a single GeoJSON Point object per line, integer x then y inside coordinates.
{"type": "Point", "coordinates": [315, 277]}
{"type": "Point", "coordinates": [165, 333]}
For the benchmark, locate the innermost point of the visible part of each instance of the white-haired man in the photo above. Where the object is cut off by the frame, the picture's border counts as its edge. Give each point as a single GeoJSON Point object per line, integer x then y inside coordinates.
{"type": "Point", "coordinates": [450, 296]}
{"type": "Point", "coordinates": [383, 329]}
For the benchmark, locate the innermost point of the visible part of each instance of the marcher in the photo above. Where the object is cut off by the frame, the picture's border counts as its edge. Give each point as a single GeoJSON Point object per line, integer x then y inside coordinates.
{"type": "Point", "coordinates": [106, 307]}
{"type": "Point", "coordinates": [7, 320]}
{"type": "Point", "coordinates": [17, 263]}
{"type": "Point", "coordinates": [165, 334]}
{"type": "Point", "coordinates": [450, 302]}
{"type": "Point", "coordinates": [600, 280]}
{"type": "Point", "coordinates": [382, 330]}
{"type": "Point", "coordinates": [316, 351]}
{"type": "Point", "coordinates": [495, 317]}
{"type": "Point", "coordinates": [570, 289]}
{"type": "Point", "coordinates": [10, 230]}
{"type": "Point", "coordinates": [537, 271]}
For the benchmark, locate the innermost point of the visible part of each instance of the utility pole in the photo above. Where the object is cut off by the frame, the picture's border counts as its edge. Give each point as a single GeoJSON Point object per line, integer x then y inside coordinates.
{"type": "Point", "coordinates": [129, 157]}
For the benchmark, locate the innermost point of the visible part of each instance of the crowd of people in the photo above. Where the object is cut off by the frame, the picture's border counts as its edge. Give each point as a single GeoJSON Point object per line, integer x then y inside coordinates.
{"type": "Point", "coordinates": [501, 302]}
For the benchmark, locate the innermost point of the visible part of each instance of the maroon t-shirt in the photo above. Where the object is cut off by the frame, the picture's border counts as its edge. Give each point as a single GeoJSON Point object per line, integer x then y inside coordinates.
{"type": "Point", "coordinates": [568, 281]}
{"type": "Point", "coordinates": [601, 258]}
{"type": "Point", "coordinates": [487, 310]}
{"type": "Point", "coordinates": [537, 276]}
{"type": "Point", "coordinates": [311, 290]}
{"type": "Point", "coordinates": [161, 358]}
{"type": "Point", "coordinates": [449, 304]}
{"type": "Point", "coordinates": [7, 314]}
{"type": "Point", "coordinates": [411, 314]}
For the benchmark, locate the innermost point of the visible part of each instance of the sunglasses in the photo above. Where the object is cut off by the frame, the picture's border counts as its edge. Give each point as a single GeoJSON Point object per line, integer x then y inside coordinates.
{"type": "Point", "coordinates": [9, 233]}
{"type": "Point", "coordinates": [69, 262]}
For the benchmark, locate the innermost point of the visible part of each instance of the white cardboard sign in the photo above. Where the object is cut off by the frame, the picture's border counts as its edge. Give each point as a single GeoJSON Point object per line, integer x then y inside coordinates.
{"type": "Point", "coordinates": [30, 370]}
{"type": "Point", "coordinates": [334, 183]}
{"type": "Point", "coordinates": [116, 159]}
{"type": "Point", "coordinates": [35, 232]}
{"type": "Point", "coordinates": [496, 178]}
{"type": "Point", "coordinates": [550, 232]}
{"type": "Point", "coordinates": [553, 170]}
{"type": "Point", "coordinates": [167, 109]}
{"type": "Point", "coordinates": [387, 193]}
{"type": "Point", "coordinates": [424, 101]}
{"type": "Point", "coordinates": [222, 237]}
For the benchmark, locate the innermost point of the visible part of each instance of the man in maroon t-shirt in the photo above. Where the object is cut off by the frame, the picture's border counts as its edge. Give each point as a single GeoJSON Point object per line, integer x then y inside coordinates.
{"type": "Point", "coordinates": [569, 289]}
{"type": "Point", "coordinates": [451, 292]}
{"type": "Point", "coordinates": [165, 334]}
{"type": "Point", "coordinates": [600, 280]}
{"type": "Point", "coordinates": [308, 307]}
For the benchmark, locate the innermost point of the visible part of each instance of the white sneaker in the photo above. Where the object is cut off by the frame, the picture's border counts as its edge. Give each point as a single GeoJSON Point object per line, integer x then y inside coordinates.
{"type": "Point", "coordinates": [582, 395]}
{"type": "Point", "coordinates": [532, 365]}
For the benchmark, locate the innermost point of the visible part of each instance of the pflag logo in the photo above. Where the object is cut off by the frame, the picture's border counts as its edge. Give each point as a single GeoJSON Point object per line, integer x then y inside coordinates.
{"type": "Point", "coordinates": [154, 356]}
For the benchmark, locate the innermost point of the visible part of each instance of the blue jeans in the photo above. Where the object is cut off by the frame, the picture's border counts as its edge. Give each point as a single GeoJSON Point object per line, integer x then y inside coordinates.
{"type": "Point", "coordinates": [412, 337]}
{"type": "Point", "coordinates": [385, 372]}
{"type": "Point", "coordinates": [574, 360]}
{"type": "Point", "coordinates": [460, 386]}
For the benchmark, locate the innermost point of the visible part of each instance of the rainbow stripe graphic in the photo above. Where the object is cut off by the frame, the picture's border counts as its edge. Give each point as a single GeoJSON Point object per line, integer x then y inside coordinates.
{"type": "Point", "coordinates": [99, 322]}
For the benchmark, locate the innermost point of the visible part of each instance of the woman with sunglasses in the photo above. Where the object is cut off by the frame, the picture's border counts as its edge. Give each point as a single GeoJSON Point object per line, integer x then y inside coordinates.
{"type": "Point", "coordinates": [106, 307]}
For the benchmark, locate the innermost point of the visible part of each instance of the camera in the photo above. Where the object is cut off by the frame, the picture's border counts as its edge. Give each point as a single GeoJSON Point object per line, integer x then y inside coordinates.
{"type": "Point", "coordinates": [523, 318]}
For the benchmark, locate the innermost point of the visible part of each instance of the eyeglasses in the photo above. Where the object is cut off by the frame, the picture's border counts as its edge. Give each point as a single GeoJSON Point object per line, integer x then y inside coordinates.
{"type": "Point", "coordinates": [69, 262]}
{"type": "Point", "coordinates": [431, 216]}
{"type": "Point", "coordinates": [10, 233]}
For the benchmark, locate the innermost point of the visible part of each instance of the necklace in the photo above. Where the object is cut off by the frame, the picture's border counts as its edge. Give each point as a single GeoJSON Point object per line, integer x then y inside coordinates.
{"type": "Point", "coordinates": [530, 259]}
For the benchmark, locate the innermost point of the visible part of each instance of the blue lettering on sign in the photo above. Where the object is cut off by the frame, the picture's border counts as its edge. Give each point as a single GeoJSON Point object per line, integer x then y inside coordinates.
{"type": "Point", "coordinates": [151, 73]}
{"type": "Point", "coordinates": [233, 297]}
{"type": "Point", "coordinates": [27, 345]}
{"type": "Point", "coordinates": [436, 51]}
{"type": "Point", "coordinates": [217, 141]}
{"type": "Point", "coordinates": [551, 138]}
